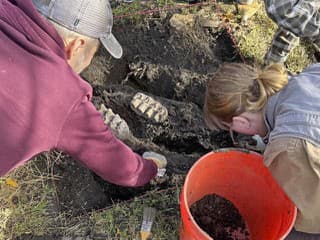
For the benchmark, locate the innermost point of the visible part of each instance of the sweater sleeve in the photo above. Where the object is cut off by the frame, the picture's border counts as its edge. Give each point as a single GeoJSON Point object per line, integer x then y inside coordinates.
{"type": "Point", "coordinates": [300, 17]}
{"type": "Point", "coordinates": [86, 138]}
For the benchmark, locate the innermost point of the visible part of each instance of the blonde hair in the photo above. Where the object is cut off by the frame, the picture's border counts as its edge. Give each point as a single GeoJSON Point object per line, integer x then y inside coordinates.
{"type": "Point", "coordinates": [238, 88]}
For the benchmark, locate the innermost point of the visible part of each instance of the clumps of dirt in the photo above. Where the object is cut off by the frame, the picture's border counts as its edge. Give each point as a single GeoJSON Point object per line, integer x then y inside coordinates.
{"type": "Point", "coordinates": [219, 218]}
{"type": "Point", "coordinates": [77, 189]}
{"type": "Point", "coordinates": [169, 59]}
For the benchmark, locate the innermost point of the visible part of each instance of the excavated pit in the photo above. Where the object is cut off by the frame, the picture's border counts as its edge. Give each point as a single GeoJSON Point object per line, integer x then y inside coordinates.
{"type": "Point", "coordinates": [171, 63]}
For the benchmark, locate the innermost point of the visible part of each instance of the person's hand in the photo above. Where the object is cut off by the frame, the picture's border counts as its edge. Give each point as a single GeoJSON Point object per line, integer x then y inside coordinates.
{"type": "Point", "coordinates": [256, 144]}
{"type": "Point", "coordinates": [253, 143]}
{"type": "Point", "coordinates": [157, 158]}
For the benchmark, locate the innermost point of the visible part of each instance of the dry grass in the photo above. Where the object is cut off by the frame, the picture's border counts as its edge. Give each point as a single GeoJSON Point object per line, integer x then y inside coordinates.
{"type": "Point", "coordinates": [26, 208]}
{"type": "Point", "coordinates": [254, 39]}
{"type": "Point", "coordinates": [25, 200]}
{"type": "Point", "coordinates": [123, 221]}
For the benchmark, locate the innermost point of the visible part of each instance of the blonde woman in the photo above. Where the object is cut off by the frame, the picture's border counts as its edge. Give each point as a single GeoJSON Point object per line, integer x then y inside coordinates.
{"type": "Point", "coordinates": [286, 113]}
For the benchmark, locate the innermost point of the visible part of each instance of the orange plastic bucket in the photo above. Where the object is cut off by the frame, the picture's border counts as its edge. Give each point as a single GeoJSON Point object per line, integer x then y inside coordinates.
{"type": "Point", "coordinates": [240, 177]}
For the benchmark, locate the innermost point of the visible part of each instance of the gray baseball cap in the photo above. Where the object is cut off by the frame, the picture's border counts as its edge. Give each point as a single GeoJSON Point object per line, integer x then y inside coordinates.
{"type": "Point", "coordinates": [91, 18]}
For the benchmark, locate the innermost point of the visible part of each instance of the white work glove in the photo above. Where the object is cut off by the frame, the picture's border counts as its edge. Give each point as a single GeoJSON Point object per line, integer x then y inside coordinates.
{"type": "Point", "coordinates": [157, 158]}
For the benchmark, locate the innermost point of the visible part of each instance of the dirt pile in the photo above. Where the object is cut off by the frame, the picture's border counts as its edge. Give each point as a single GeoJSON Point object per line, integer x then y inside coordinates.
{"type": "Point", "coordinates": [219, 218]}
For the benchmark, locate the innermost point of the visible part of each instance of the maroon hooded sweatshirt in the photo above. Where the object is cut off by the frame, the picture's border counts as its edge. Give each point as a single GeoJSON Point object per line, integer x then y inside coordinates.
{"type": "Point", "coordinates": [45, 105]}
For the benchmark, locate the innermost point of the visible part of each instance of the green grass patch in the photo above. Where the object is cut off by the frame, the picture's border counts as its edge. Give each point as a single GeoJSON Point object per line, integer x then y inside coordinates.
{"type": "Point", "coordinates": [137, 11]}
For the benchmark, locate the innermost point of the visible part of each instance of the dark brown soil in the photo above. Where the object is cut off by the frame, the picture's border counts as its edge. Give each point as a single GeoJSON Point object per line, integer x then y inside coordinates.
{"type": "Point", "coordinates": [219, 218]}
{"type": "Point", "coordinates": [170, 65]}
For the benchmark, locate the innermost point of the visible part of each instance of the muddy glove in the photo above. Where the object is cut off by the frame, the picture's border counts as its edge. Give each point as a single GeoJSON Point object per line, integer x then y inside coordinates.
{"type": "Point", "coordinates": [157, 158]}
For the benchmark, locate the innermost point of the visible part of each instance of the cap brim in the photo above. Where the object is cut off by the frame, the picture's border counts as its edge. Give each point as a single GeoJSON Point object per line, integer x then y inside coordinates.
{"type": "Point", "coordinates": [112, 45]}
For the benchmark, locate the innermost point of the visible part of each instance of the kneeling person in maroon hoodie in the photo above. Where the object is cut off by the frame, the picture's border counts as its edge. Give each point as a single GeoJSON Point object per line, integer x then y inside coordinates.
{"type": "Point", "coordinates": [44, 104]}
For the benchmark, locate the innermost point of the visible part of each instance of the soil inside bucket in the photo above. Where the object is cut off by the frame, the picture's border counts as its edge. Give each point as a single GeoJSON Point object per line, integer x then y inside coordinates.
{"type": "Point", "coordinates": [219, 218]}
